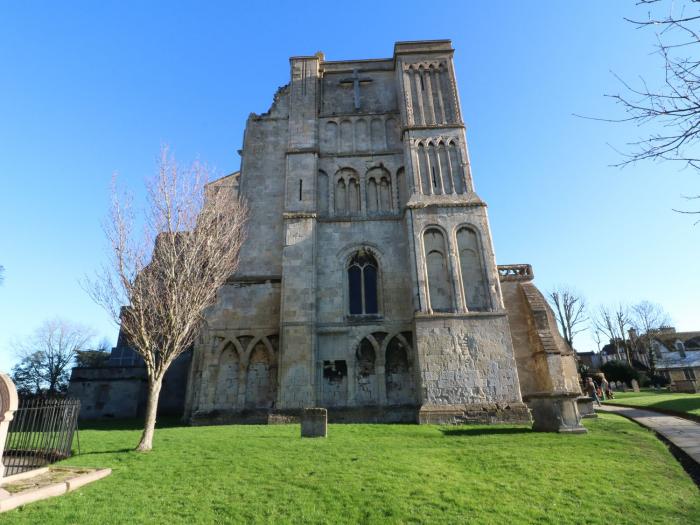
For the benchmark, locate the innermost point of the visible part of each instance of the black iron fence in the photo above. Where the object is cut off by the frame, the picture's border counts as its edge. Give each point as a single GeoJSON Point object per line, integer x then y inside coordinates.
{"type": "Point", "coordinates": [40, 433]}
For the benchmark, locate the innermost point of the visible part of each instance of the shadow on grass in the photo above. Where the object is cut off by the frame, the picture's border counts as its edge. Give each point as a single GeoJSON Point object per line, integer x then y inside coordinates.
{"type": "Point", "coordinates": [128, 424]}
{"type": "Point", "coordinates": [99, 452]}
{"type": "Point", "coordinates": [678, 405]}
{"type": "Point", "coordinates": [484, 431]}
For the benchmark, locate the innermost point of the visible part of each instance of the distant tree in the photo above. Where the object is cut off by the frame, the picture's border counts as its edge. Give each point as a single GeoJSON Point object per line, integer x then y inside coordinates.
{"type": "Point", "coordinates": [647, 318]}
{"type": "Point", "coordinates": [669, 108]}
{"type": "Point", "coordinates": [597, 337]}
{"type": "Point", "coordinates": [46, 356]}
{"type": "Point", "coordinates": [619, 371]}
{"type": "Point", "coordinates": [168, 275]}
{"type": "Point", "coordinates": [570, 311]}
{"type": "Point", "coordinates": [614, 324]}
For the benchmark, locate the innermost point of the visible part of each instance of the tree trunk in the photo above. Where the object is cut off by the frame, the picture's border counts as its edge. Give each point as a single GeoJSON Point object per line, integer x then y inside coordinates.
{"type": "Point", "coordinates": [154, 385]}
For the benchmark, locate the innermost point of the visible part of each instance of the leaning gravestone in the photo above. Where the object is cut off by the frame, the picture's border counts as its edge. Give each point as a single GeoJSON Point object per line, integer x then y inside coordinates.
{"type": "Point", "coordinates": [8, 406]}
{"type": "Point", "coordinates": [314, 422]}
{"type": "Point", "coordinates": [635, 385]}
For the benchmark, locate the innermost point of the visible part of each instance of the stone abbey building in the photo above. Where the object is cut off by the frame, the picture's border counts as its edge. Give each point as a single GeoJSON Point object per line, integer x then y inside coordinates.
{"type": "Point", "coordinates": [368, 283]}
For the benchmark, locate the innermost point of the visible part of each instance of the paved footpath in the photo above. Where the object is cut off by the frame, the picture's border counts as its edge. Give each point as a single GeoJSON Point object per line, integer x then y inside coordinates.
{"type": "Point", "coordinates": [683, 433]}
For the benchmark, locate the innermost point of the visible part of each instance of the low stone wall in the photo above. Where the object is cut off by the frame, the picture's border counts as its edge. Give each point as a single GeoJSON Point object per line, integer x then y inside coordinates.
{"type": "Point", "coordinates": [486, 414]}
{"type": "Point", "coordinates": [684, 386]}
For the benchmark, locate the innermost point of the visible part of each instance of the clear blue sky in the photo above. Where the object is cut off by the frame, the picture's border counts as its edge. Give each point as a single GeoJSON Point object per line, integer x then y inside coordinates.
{"type": "Point", "coordinates": [92, 88]}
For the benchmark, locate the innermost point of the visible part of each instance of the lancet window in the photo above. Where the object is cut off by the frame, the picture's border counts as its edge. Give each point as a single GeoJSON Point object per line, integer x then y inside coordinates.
{"type": "Point", "coordinates": [362, 284]}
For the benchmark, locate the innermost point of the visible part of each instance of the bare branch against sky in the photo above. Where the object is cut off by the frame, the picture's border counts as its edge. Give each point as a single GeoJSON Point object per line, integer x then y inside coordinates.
{"type": "Point", "coordinates": [158, 282]}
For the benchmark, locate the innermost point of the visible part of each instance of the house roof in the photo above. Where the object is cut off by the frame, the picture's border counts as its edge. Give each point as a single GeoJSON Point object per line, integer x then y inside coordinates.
{"type": "Point", "coordinates": [674, 360]}
{"type": "Point", "coordinates": [689, 339]}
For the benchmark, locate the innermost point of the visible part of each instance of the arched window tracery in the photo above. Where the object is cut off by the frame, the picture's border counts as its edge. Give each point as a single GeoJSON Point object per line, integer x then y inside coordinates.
{"type": "Point", "coordinates": [362, 284]}
{"type": "Point", "coordinates": [347, 192]}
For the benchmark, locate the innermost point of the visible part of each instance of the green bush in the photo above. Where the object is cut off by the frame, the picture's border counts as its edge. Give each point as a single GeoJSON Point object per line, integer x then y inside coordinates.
{"type": "Point", "coordinates": [619, 371]}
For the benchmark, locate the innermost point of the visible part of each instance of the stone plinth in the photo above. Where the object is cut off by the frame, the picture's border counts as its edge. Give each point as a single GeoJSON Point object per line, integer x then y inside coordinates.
{"type": "Point", "coordinates": [555, 412]}
{"type": "Point", "coordinates": [314, 422]}
{"type": "Point", "coordinates": [479, 414]}
{"type": "Point", "coordinates": [585, 406]}
{"type": "Point", "coordinates": [8, 406]}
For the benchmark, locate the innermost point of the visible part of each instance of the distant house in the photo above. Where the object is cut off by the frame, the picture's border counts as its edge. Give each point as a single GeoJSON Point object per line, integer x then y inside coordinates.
{"type": "Point", "coordinates": [678, 358]}
{"type": "Point", "coordinates": [615, 351]}
{"type": "Point", "coordinates": [592, 360]}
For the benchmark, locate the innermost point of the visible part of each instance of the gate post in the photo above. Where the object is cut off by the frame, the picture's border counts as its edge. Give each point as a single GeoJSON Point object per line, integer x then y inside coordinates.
{"type": "Point", "coordinates": [8, 406]}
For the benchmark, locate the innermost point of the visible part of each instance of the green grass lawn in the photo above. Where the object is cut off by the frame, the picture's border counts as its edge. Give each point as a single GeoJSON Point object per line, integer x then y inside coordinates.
{"type": "Point", "coordinates": [688, 403]}
{"type": "Point", "coordinates": [617, 473]}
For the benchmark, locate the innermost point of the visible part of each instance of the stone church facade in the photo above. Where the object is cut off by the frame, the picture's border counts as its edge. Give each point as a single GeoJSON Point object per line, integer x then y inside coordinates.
{"type": "Point", "coordinates": [368, 283]}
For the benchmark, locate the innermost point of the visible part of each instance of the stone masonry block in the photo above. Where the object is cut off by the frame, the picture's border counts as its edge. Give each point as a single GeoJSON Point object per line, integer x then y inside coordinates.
{"type": "Point", "coordinates": [314, 422]}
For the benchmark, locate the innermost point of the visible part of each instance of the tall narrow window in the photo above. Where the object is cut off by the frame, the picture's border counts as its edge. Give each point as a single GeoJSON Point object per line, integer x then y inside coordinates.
{"type": "Point", "coordinates": [372, 198]}
{"type": "Point", "coordinates": [322, 193]}
{"type": "Point", "coordinates": [340, 196]}
{"type": "Point", "coordinates": [353, 196]}
{"type": "Point", "coordinates": [439, 287]}
{"type": "Point", "coordinates": [455, 168]}
{"type": "Point", "coordinates": [426, 184]}
{"type": "Point", "coordinates": [362, 284]}
{"type": "Point", "coordinates": [378, 188]}
{"type": "Point", "coordinates": [473, 280]}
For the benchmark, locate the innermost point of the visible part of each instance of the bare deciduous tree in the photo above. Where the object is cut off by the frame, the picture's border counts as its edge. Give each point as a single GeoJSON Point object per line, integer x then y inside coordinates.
{"type": "Point", "coordinates": [614, 323]}
{"type": "Point", "coordinates": [166, 276]}
{"type": "Point", "coordinates": [570, 311]}
{"type": "Point", "coordinates": [46, 356]}
{"type": "Point", "coordinates": [646, 319]}
{"type": "Point", "coordinates": [668, 108]}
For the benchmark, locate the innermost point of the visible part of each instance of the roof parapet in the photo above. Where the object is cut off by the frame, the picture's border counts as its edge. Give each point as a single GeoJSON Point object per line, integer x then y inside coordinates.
{"type": "Point", "coordinates": [515, 272]}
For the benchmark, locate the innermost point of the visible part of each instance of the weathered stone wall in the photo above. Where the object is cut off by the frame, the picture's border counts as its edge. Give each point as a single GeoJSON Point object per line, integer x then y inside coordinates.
{"type": "Point", "coordinates": [377, 89]}
{"type": "Point", "coordinates": [121, 392]}
{"type": "Point", "coordinates": [386, 239]}
{"type": "Point", "coordinates": [262, 186]}
{"type": "Point", "coordinates": [464, 359]}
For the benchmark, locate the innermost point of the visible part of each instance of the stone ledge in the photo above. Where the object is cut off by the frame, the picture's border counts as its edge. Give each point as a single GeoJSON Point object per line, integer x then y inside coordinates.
{"type": "Point", "coordinates": [486, 414]}
{"type": "Point", "coordinates": [440, 316]}
{"type": "Point", "coordinates": [11, 500]}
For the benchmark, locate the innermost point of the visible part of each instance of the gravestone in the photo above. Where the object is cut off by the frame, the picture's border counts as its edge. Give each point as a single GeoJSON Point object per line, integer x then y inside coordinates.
{"type": "Point", "coordinates": [635, 385]}
{"type": "Point", "coordinates": [8, 406]}
{"type": "Point", "coordinates": [585, 406]}
{"type": "Point", "coordinates": [314, 422]}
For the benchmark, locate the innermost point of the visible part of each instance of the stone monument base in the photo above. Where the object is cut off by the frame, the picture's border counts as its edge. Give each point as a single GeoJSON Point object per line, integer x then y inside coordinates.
{"type": "Point", "coordinates": [585, 406]}
{"type": "Point", "coordinates": [555, 412]}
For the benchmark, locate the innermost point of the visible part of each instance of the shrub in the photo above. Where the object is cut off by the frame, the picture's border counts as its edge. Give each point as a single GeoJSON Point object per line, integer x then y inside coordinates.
{"type": "Point", "coordinates": [619, 371]}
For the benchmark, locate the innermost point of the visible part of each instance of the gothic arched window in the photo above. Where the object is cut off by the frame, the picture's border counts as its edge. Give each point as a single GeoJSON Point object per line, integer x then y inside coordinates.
{"type": "Point", "coordinates": [362, 284]}
{"type": "Point", "coordinates": [439, 283]}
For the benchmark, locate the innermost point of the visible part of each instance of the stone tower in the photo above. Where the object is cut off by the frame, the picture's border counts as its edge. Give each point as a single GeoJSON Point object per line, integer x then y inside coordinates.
{"type": "Point", "coordinates": [465, 354]}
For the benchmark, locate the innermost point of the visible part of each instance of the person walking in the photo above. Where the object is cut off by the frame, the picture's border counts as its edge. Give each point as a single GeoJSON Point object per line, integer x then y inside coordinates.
{"type": "Point", "coordinates": [591, 390]}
